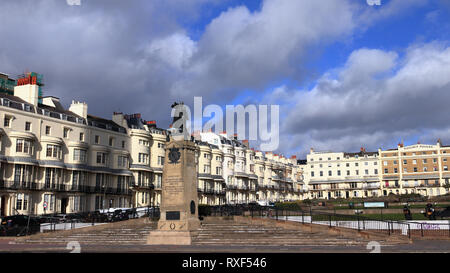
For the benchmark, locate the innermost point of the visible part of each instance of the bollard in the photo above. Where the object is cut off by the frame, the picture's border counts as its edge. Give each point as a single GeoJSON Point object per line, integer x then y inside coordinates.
{"type": "Point", "coordinates": [421, 228]}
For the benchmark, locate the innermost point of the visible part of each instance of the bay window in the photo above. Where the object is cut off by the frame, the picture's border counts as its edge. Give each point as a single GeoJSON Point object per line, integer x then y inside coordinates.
{"type": "Point", "coordinates": [24, 146]}
{"type": "Point", "coordinates": [54, 151]}
{"type": "Point", "coordinates": [79, 155]}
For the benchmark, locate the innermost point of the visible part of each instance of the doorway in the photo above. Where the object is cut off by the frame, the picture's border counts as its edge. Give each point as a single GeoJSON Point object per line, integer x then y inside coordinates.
{"type": "Point", "coordinates": [3, 205]}
{"type": "Point", "coordinates": [64, 203]}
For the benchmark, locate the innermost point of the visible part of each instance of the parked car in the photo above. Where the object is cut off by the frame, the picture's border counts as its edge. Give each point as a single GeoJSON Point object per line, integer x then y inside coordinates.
{"type": "Point", "coordinates": [62, 218]}
{"type": "Point", "coordinates": [19, 225]}
{"type": "Point", "coordinates": [120, 215]}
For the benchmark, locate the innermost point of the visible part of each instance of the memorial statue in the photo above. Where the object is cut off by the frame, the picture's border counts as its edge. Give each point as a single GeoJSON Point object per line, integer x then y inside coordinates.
{"type": "Point", "coordinates": [180, 117]}
{"type": "Point", "coordinates": [179, 221]}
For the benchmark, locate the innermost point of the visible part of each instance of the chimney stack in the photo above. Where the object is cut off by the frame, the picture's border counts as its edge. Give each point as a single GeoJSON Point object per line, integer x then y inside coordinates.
{"type": "Point", "coordinates": [79, 108]}
{"type": "Point", "coordinates": [29, 88]}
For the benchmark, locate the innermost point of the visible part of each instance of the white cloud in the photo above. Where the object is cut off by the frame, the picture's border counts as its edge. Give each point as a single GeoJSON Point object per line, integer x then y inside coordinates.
{"type": "Point", "coordinates": [359, 107]}
{"type": "Point", "coordinates": [243, 49]}
{"type": "Point", "coordinates": [175, 50]}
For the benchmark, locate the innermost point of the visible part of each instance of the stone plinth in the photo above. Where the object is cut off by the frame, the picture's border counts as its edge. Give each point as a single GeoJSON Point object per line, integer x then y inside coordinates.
{"type": "Point", "coordinates": [179, 200]}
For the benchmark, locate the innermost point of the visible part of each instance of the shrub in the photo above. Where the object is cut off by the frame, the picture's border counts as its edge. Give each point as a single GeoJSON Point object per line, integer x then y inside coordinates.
{"type": "Point", "coordinates": [289, 205]}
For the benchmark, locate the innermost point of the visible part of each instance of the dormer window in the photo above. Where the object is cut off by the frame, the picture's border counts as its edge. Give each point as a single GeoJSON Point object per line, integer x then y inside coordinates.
{"type": "Point", "coordinates": [6, 102]}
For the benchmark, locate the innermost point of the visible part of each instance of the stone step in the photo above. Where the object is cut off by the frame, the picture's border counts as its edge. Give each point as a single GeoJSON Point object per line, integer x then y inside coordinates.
{"type": "Point", "coordinates": [273, 240]}
{"type": "Point", "coordinates": [217, 233]}
{"type": "Point", "coordinates": [142, 242]}
{"type": "Point", "coordinates": [84, 237]}
{"type": "Point", "coordinates": [124, 234]}
{"type": "Point", "coordinates": [278, 242]}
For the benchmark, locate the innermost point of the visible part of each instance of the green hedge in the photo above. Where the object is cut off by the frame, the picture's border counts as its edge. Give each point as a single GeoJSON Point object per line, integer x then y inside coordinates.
{"type": "Point", "coordinates": [289, 205]}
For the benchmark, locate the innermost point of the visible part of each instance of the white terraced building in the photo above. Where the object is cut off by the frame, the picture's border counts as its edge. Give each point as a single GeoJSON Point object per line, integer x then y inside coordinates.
{"type": "Point", "coordinates": [58, 160]}
{"type": "Point", "coordinates": [249, 175]}
{"type": "Point", "coordinates": [415, 169]}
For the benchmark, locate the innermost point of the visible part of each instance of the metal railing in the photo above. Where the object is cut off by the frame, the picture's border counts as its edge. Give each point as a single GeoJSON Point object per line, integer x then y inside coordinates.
{"type": "Point", "coordinates": [60, 187]}
{"type": "Point", "coordinates": [428, 229]}
{"type": "Point", "coordinates": [71, 221]}
{"type": "Point", "coordinates": [362, 223]}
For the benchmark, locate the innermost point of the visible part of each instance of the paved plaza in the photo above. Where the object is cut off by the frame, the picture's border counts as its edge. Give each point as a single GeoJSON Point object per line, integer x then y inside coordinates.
{"type": "Point", "coordinates": [418, 246]}
{"type": "Point", "coordinates": [216, 236]}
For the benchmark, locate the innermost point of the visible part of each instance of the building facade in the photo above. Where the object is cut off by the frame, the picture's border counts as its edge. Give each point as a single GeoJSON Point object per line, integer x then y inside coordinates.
{"type": "Point", "coordinates": [420, 168]}
{"type": "Point", "coordinates": [415, 169]}
{"type": "Point", "coordinates": [249, 175]}
{"type": "Point", "coordinates": [57, 160]}
{"type": "Point", "coordinates": [342, 175]}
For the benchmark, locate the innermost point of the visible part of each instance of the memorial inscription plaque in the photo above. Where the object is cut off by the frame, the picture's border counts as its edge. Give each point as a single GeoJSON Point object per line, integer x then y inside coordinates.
{"type": "Point", "coordinates": [172, 215]}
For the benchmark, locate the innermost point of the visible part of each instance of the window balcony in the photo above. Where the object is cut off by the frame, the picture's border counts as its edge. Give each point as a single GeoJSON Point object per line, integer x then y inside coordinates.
{"type": "Point", "coordinates": [144, 186]}
{"type": "Point", "coordinates": [369, 187]}
{"type": "Point", "coordinates": [437, 185]}
{"type": "Point", "coordinates": [17, 185]}
{"type": "Point", "coordinates": [77, 188]}
{"type": "Point", "coordinates": [207, 191]}
{"type": "Point", "coordinates": [390, 186]}
{"type": "Point", "coordinates": [55, 187]}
